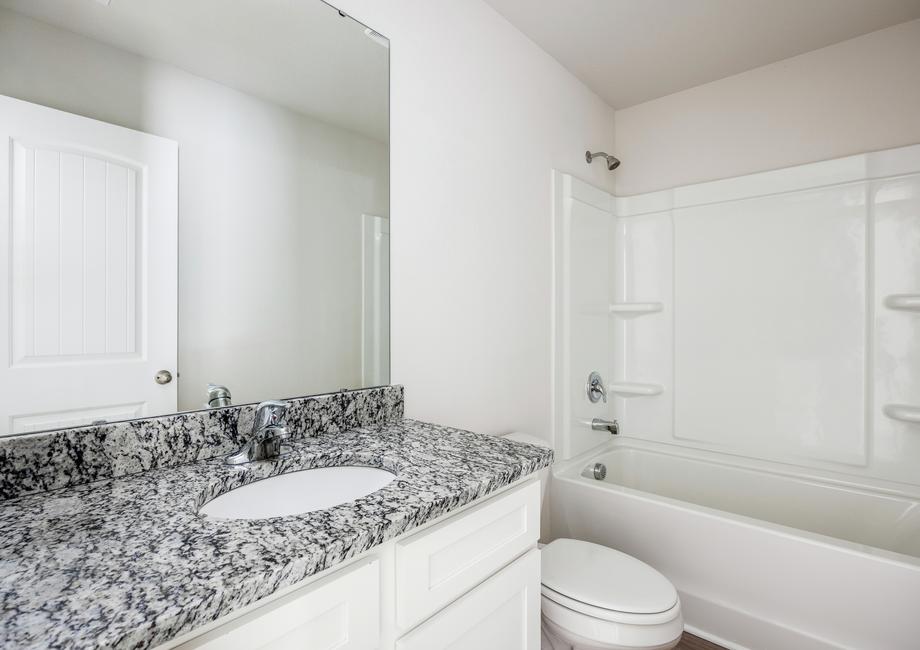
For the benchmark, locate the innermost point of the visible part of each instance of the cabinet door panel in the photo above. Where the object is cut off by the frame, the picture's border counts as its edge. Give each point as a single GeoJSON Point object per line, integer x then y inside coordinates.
{"type": "Point", "coordinates": [503, 613]}
{"type": "Point", "coordinates": [438, 565]}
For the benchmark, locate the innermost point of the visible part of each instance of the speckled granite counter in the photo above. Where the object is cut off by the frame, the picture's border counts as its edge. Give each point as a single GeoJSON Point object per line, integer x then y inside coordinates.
{"type": "Point", "coordinates": [128, 562]}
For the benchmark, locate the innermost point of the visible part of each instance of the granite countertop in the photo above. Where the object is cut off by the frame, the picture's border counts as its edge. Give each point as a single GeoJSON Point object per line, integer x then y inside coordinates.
{"type": "Point", "coordinates": [129, 563]}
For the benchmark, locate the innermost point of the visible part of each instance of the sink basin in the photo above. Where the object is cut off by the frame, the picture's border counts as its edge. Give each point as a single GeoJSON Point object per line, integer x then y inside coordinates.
{"type": "Point", "coordinates": [297, 492]}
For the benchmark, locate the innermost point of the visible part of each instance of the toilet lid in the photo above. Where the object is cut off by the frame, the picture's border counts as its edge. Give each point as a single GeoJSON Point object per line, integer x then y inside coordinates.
{"type": "Point", "coordinates": [602, 577]}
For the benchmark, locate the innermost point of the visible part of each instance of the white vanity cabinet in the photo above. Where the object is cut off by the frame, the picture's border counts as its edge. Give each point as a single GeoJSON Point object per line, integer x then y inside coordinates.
{"type": "Point", "coordinates": [470, 581]}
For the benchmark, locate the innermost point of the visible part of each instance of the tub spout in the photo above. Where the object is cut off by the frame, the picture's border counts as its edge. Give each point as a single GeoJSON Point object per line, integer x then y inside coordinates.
{"type": "Point", "coordinates": [605, 425]}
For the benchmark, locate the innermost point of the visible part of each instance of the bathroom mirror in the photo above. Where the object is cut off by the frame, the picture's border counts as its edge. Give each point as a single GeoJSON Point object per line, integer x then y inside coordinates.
{"type": "Point", "coordinates": [195, 206]}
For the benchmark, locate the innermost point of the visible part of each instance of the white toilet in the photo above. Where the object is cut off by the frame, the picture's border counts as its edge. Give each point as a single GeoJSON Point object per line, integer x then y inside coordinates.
{"type": "Point", "coordinates": [596, 598]}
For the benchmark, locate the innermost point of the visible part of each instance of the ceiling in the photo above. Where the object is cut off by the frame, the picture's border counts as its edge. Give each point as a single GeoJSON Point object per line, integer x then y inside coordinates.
{"type": "Point", "coordinates": [300, 54]}
{"type": "Point", "coordinates": [631, 51]}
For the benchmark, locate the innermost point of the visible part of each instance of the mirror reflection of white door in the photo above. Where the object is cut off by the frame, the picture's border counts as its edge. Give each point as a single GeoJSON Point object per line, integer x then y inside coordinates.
{"type": "Point", "coordinates": [375, 295]}
{"type": "Point", "coordinates": [88, 270]}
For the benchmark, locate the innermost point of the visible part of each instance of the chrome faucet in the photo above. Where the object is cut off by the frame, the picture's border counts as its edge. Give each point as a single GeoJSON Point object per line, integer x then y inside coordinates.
{"type": "Point", "coordinates": [599, 424]}
{"type": "Point", "coordinates": [268, 431]}
{"type": "Point", "coordinates": [595, 388]}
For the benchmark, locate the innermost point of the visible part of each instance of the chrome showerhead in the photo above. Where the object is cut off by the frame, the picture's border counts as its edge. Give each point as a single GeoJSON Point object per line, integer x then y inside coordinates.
{"type": "Point", "coordinates": [612, 161]}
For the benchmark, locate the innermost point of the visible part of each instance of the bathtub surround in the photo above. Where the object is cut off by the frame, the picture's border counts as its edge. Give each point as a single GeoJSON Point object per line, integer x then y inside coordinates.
{"type": "Point", "coordinates": [153, 569]}
{"type": "Point", "coordinates": [789, 349]}
{"type": "Point", "coordinates": [757, 338]}
{"type": "Point", "coordinates": [71, 457]}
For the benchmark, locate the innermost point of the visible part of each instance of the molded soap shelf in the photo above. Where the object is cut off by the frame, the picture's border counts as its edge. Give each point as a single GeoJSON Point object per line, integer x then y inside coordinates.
{"type": "Point", "coordinates": [902, 412]}
{"type": "Point", "coordinates": [630, 389]}
{"type": "Point", "coordinates": [627, 309]}
{"type": "Point", "coordinates": [903, 302]}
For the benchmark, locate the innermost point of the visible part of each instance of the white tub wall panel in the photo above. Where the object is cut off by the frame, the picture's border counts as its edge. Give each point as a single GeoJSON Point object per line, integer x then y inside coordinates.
{"type": "Point", "coordinates": [896, 345]}
{"type": "Point", "coordinates": [805, 591]}
{"type": "Point", "coordinates": [588, 194]}
{"type": "Point", "coordinates": [777, 181]}
{"type": "Point", "coordinates": [770, 321]}
{"type": "Point", "coordinates": [561, 342]}
{"type": "Point", "coordinates": [631, 206]}
{"type": "Point", "coordinates": [588, 285]}
{"type": "Point", "coordinates": [887, 163]}
{"type": "Point", "coordinates": [643, 344]}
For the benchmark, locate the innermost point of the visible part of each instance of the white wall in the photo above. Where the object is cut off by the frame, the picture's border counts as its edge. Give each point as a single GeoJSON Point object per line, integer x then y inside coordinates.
{"type": "Point", "coordinates": [480, 115]}
{"type": "Point", "coordinates": [857, 96]}
{"type": "Point", "coordinates": [269, 198]}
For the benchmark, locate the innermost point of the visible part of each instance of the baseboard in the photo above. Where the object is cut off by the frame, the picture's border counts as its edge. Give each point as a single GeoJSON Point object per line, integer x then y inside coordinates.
{"type": "Point", "coordinates": [712, 638]}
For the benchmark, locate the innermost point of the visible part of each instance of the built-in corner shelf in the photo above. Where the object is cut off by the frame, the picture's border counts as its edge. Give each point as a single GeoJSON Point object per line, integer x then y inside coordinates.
{"type": "Point", "coordinates": [629, 389]}
{"type": "Point", "coordinates": [627, 309]}
{"type": "Point", "coordinates": [903, 301]}
{"type": "Point", "coordinates": [902, 412]}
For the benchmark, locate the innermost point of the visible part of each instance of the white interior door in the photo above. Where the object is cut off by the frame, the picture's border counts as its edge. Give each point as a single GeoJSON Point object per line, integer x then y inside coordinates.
{"type": "Point", "coordinates": [88, 275]}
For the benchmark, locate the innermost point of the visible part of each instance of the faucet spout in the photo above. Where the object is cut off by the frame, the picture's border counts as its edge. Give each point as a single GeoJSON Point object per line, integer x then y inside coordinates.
{"type": "Point", "coordinates": [599, 424]}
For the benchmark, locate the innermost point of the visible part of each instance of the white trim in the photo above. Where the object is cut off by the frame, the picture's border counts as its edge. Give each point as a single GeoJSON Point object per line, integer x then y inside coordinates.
{"type": "Point", "coordinates": [851, 169]}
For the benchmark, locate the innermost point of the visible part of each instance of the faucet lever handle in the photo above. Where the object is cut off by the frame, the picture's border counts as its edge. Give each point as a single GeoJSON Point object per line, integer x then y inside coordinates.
{"type": "Point", "coordinates": [270, 413]}
{"type": "Point", "coordinates": [272, 431]}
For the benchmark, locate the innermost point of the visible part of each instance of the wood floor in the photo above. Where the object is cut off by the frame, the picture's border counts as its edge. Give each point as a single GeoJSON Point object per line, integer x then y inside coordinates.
{"type": "Point", "coordinates": [690, 642]}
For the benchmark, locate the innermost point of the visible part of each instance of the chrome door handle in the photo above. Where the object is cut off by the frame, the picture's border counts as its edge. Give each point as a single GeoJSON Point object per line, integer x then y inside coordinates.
{"type": "Point", "coordinates": [163, 377]}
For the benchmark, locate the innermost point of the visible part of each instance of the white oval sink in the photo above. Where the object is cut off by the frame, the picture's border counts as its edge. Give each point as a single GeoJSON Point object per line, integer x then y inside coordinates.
{"type": "Point", "coordinates": [297, 492]}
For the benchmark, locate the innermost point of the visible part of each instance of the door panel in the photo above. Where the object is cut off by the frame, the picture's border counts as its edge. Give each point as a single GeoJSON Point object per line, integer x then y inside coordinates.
{"type": "Point", "coordinates": [503, 613]}
{"type": "Point", "coordinates": [88, 291]}
{"type": "Point", "coordinates": [74, 257]}
{"type": "Point", "coordinates": [436, 566]}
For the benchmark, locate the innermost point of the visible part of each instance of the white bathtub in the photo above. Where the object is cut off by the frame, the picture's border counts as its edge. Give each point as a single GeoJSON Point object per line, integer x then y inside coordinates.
{"type": "Point", "coordinates": [763, 559]}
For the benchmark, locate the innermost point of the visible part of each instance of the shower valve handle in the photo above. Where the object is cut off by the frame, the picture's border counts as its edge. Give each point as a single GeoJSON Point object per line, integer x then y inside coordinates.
{"type": "Point", "coordinates": [595, 388]}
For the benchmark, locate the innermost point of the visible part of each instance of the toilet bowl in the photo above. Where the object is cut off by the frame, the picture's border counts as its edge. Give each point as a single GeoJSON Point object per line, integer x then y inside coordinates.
{"type": "Point", "coordinates": [596, 598]}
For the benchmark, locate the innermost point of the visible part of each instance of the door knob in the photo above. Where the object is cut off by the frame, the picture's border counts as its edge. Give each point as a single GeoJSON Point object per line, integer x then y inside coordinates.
{"type": "Point", "coordinates": [163, 377]}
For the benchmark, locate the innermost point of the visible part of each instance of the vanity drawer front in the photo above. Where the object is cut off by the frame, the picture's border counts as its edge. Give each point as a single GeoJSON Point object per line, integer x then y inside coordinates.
{"type": "Point", "coordinates": [503, 613]}
{"type": "Point", "coordinates": [442, 563]}
{"type": "Point", "coordinates": [340, 611]}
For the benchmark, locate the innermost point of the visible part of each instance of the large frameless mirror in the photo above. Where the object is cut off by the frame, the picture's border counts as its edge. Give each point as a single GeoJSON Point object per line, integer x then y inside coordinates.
{"type": "Point", "coordinates": [195, 206]}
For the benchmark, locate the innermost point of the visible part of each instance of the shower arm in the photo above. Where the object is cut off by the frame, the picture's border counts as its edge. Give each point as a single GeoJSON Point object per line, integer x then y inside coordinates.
{"type": "Point", "coordinates": [612, 161]}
